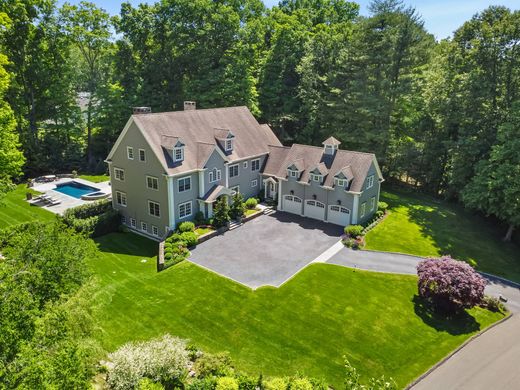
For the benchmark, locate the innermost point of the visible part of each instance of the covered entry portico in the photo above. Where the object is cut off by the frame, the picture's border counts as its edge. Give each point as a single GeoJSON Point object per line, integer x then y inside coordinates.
{"type": "Point", "coordinates": [206, 202]}
{"type": "Point", "coordinates": [271, 188]}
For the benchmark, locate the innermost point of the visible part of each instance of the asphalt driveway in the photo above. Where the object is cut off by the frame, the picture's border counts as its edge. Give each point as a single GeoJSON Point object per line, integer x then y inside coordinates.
{"type": "Point", "coordinates": [268, 250]}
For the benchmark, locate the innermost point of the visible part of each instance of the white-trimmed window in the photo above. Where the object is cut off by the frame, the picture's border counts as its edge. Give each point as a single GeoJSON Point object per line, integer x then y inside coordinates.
{"type": "Point", "coordinates": [123, 220]}
{"type": "Point", "coordinates": [142, 155]}
{"type": "Point", "coordinates": [130, 152]}
{"type": "Point", "coordinates": [233, 170]}
{"type": "Point", "coordinates": [316, 178]}
{"type": "Point", "coordinates": [245, 164]}
{"type": "Point", "coordinates": [235, 188]}
{"type": "Point", "coordinates": [255, 165]}
{"type": "Point", "coordinates": [341, 182]}
{"type": "Point", "coordinates": [152, 182]}
{"type": "Point", "coordinates": [363, 207]}
{"type": "Point", "coordinates": [185, 209]}
{"type": "Point", "coordinates": [121, 198]}
{"type": "Point", "coordinates": [184, 184]}
{"type": "Point", "coordinates": [144, 226]}
{"type": "Point", "coordinates": [178, 154]}
{"type": "Point", "coordinates": [229, 145]}
{"type": "Point", "coordinates": [154, 209]}
{"type": "Point", "coordinates": [293, 173]}
{"type": "Point", "coordinates": [215, 175]}
{"type": "Point", "coordinates": [254, 183]}
{"type": "Point", "coordinates": [211, 177]}
{"type": "Point", "coordinates": [155, 230]}
{"type": "Point", "coordinates": [119, 174]}
{"type": "Point", "coordinates": [370, 182]}
{"type": "Point", "coordinates": [133, 223]}
{"type": "Point", "coordinates": [372, 203]}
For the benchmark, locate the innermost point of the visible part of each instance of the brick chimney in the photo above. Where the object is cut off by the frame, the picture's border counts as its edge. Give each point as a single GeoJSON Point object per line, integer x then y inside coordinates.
{"type": "Point", "coordinates": [189, 105]}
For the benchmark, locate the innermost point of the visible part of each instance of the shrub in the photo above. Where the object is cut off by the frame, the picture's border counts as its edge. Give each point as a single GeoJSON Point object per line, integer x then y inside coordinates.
{"type": "Point", "coordinates": [275, 384]}
{"type": "Point", "coordinates": [450, 285]}
{"type": "Point", "coordinates": [247, 382]}
{"type": "Point", "coordinates": [353, 230]}
{"type": "Point", "coordinates": [93, 219]}
{"type": "Point", "coordinates": [88, 210]}
{"type": "Point", "coordinates": [186, 226]}
{"type": "Point", "coordinates": [383, 206]}
{"type": "Point", "coordinates": [227, 383]}
{"type": "Point", "coordinates": [168, 256]}
{"type": "Point", "coordinates": [190, 238]}
{"type": "Point", "coordinates": [208, 383]}
{"type": "Point", "coordinates": [237, 209]}
{"type": "Point", "coordinates": [493, 304]}
{"type": "Point", "coordinates": [162, 360]}
{"type": "Point", "coordinates": [148, 384]}
{"type": "Point", "coordinates": [199, 218]}
{"type": "Point", "coordinates": [213, 365]}
{"type": "Point", "coordinates": [379, 213]}
{"type": "Point", "coordinates": [221, 212]}
{"type": "Point", "coordinates": [251, 203]}
{"type": "Point", "coordinates": [300, 384]}
{"type": "Point", "coordinates": [354, 243]}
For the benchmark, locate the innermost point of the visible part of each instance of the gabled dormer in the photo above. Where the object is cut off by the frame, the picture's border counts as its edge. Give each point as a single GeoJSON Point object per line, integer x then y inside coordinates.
{"type": "Point", "coordinates": [318, 173]}
{"type": "Point", "coordinates": [343, 178]}
{"type": "Point", "coordinates": [174, 146]}
{"type": "Point", "coordinates": [295, 169]}
{"type": "Point", "coordinates": [330, 146]}
{"type": "Point", "coordinates": [225, 139]}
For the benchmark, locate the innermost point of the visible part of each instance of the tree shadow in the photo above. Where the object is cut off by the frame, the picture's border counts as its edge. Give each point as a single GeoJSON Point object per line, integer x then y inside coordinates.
{"type": "Point", "coordinates": [127, 244]}
{"type": "Point", "coordinates": [456, 324]}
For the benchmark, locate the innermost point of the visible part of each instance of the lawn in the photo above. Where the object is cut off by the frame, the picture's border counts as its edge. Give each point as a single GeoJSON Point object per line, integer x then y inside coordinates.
{"type": "Point", "coordinates": [249, 212]}
{"type": "Point", "coordinates": [421, 225]}
{"type": "Point", "coordinates": [14, 209]}
{"type": "Point", "coordinates": [200, 231]}
{"type": "Point", "coordinates": [95, 178]}
{"type": "Point", "coordinates": [305, 326]}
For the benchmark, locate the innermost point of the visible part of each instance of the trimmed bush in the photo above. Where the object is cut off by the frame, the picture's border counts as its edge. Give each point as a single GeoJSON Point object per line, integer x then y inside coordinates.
{"type": "Point", "coordinates": [251, 203]}
{"type": "Point", "coordinates": [226, 383]}
{"type": "Point", "coordinates": [450, 285]}
{"type": "Point", "coordinates": [199, 218]}
{"type": "Point", "coordinates": [218, 364]}
{"type": "Point", "coordinates": [94, 220]}
{"type": "Point", "coordinates": [190, 238]}
{"type": "Point", "coordinates": [379, 213]}
{"type": "Point", "coordinates": [148, 384]}
{"type": "Point", "coordinates": [186, 227]}
{"type": "Point", "coordinates": [300, 384]}
{"type": "Point", "coordinates": [353, 230]}
{"type": "Point", "coordinates": [383, 206]}
{"type": "Point", "coordinates": [275, 384]}
{"type": "Point", "coordinates": [220, 212]}
{"type": "Point", "coordinates": [493, 304]}
{"type": "Point", "coordinates": [237, 209]}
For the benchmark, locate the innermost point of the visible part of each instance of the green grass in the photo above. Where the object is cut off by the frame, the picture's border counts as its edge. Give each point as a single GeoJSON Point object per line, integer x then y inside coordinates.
{"type": "Point", "coordinates": [248, 212]}
{"type": "Point", "coordinates": [203, 230]}
{"type": "Point", "coordinates": [14, 209]}
{"type": "Point", "coordinates": [305, 326]}
{"type": "Point", "coordinates": [95, 178]}
{"type": "Point", "coordinates": [424, 226]}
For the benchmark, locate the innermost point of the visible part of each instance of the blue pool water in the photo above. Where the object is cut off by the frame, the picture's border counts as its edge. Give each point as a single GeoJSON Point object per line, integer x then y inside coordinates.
{"type": "Point", "coordinates": [75, 189]}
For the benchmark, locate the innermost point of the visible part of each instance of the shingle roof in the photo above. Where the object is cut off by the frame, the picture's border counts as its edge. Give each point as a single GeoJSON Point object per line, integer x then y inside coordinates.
{"type": "Point", "coordinates": [358, 163]}
{"type": "Point", "coordinates": [214, 192]}
{"type": "Point", "coordinates": [331, 141]}
{"type": "Point", "coordinates": [347, 172]}
{"type": "Point", "coordinates": [196, 128]}
{"type": "Point", "coordinates": [321, 168]}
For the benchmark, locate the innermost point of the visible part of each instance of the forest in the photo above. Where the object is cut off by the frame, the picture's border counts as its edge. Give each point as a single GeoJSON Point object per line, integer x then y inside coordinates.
{"type": "Point", "coordinates": [441, 116]}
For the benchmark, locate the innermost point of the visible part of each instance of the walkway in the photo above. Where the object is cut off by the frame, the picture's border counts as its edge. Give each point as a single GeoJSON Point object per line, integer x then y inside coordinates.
{"type": "Point", "coordinates": [490, 361]}
{"type": "Point", "coordinates": [406, 264]}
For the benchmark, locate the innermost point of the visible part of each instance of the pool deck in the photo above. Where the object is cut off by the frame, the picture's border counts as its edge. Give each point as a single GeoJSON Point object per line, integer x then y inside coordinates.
{"type": "Point", "coordinates": [67, 201]}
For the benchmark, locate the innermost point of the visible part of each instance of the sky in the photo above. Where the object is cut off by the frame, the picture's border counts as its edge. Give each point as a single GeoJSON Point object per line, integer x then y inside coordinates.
{"type": "Point", "coordinates": [441, 17]}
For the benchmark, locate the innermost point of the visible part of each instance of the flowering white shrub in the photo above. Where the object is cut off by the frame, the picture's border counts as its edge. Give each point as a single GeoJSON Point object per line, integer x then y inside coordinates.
{"type": "Point", "coordinates": [161, 359]}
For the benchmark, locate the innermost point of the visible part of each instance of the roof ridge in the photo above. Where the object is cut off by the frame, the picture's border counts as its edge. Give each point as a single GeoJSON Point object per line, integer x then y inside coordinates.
{"type": "Point", "coordinates": [339, 150]}
{"type": "Point", "coordinates": [188, 111]}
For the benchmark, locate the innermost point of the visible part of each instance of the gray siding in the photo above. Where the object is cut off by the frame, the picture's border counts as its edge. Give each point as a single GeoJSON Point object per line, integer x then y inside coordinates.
{"type": "Point", "coordinates": [186, 196]}
{"type": "Point", "coordinates": [134, 185]}
{"type": "Point", "coordinates": [215, 161]}
{"type": "Point", "coordinates": [246, 176]}
{"type": "Point", "coordinates": [367, 194]}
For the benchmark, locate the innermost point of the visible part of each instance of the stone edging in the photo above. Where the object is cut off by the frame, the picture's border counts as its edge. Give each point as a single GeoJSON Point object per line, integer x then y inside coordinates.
{"type": "Point", "coordinates": [160, 257]}
{"type": "Point", "coordinates": [446, 358]}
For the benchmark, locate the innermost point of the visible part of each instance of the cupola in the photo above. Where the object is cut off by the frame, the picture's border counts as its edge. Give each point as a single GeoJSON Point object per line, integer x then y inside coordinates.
{"type": "Point", "coordinates": [330, 145]}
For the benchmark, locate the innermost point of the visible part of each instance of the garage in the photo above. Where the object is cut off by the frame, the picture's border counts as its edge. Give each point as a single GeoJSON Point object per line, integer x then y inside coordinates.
{"type": "Point", "coordinates": [292, 204]}
{"type": "Point", "coordinates": [339, 215]}
{"type": "Point", "coordinates": [314, 209]}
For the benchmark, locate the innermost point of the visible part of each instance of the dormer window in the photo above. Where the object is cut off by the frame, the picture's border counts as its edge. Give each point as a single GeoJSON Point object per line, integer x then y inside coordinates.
{"type": "Point", "coordinates": [330, 146]}
{"type": "Point", "coordinates": [316, 178]}
{"type": "Point", "coordinates": [229, 145]}
{"type": "Point", "coordinates": [341, 182]}
{"type": "Point", "coordinates": [293, 173]}
{"type": "Point", "coordinates": [178, 154]}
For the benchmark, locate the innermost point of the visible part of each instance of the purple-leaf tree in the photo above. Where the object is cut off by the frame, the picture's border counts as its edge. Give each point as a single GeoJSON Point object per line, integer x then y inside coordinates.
{"type": "Point", "coordinates": [450, 285]}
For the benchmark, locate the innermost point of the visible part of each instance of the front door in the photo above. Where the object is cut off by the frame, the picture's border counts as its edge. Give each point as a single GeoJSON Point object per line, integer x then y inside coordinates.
{"type": "Point", "coordinates": [271, 190]}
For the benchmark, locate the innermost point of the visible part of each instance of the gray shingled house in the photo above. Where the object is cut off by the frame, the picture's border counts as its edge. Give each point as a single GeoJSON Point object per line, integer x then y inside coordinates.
{"type": "Point", "coordinates": [165, 167]}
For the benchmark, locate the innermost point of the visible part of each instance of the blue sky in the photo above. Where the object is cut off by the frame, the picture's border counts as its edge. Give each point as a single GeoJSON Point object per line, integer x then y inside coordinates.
{"type": "Point", "coordinates": [441, 17]}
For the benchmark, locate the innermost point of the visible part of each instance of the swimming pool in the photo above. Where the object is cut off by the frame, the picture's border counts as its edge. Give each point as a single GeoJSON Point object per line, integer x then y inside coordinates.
{"type": "Point", "coordinates": [75, 189]}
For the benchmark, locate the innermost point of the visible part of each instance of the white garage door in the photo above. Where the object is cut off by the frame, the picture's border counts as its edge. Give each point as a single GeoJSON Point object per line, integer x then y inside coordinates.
{"type": "Point", "coordinates": [339, 215]}
{"type": "Point", "coordinates": [314, 209]}
{"type": "Point", "coordinates": [292, 204]}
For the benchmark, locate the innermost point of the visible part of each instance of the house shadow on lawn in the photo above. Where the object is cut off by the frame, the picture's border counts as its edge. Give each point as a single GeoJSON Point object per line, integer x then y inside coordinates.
{"type": "Point", "coordinates": [127, 244]}
{"type": "Point", "coordinates": [458, 324]}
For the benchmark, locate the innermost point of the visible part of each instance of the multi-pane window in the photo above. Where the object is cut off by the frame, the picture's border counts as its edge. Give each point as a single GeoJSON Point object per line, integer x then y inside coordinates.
{"type": "Point", "coordinates": [245, 164]}
{"type": "Point", "coordinates": [363, 207]}
{"type": "Point", "coordinates": [142, 155]}
{"type": "Point", "coordinates": [123, 220]}
{"type": "Point", "coordinates": [154, 209]}
{"type": "Point", "coordinates": [185, 184]}
{"type": "Point", "coordinates": [293, 173]}
{"type": "Point", "coordinates": [341, 182]}
{"type": "Point", "coordinates": [215, 175]}
{"type": "Point", "coordinates": [178, 154]}
{"type": "Point", "coordinates": [372, 203]}
{"type": "Point", "coordinates": [130, 152]}
{"type": "Point", "coordinates": [132, 222]}
{"type": "Point", "coordinates": [121, 198]}
{"type": "Point", "coordinates": [155, 230]}
{"type": "Point", "coordinates": [152, 182]}
{"type": "Point", "coordinates": [370, 182]}
{"type": "Point", "coordinates": [255, 165]}
{"type": "Point", "coordinates": [144, 226]}
{"type": "Point", "coordinates": [316, 177]}
{"type": "Point", "coordinates": [233, 170]}
{"type": "Point", "coordinates": [119, 174]}
{"type": "Point", "coordinates": [254, 183]}
{"type": "Point", "coordinates": [229, 145]}
{"type": "Point", "coordinates": [184, 210]}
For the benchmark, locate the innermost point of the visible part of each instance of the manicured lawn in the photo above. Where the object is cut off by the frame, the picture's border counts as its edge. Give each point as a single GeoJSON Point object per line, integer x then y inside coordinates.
{"type": "Point", "coordinates": [203, 230]}
{"type": "Point", "coordinates": [95, 178]}
{"type": "Point", "coordinates": [248, 212]}
{"type": "Point", "coordinates": [14, 209]}
{"type": "Point", "coordinates": [421, 225]}
{"type": "Point", "coordinates": [305, 326]}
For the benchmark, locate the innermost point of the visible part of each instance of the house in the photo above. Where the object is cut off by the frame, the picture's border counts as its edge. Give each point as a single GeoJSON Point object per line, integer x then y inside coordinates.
{"type": "Point", "coordinates": [165, 167]}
